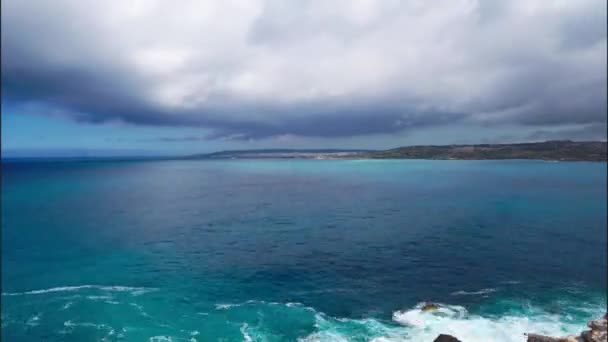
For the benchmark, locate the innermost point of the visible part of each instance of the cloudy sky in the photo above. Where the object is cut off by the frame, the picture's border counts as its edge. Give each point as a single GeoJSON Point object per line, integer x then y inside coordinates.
{"type": "Point", "coordinates": [171, 77]}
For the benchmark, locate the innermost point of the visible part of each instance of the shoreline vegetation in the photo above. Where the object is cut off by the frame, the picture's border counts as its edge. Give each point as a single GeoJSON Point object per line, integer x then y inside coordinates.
{"type": "Point", "coordinates": [557, 150]}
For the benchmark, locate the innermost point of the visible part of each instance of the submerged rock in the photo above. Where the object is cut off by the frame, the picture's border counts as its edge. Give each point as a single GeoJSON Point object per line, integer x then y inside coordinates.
{"type": "Point", "coordinates": [598, 333]}
{"type": "Point", "coordinates": [541, 338]}
{"type": "Point", "coordinates": [429, 307]}
{"type": "Point", "coordinates": [446, 338]}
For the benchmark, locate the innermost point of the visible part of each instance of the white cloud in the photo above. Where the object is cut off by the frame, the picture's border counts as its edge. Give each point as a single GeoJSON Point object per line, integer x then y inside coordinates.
{"type": "Point", "coordinates": [227, 64]}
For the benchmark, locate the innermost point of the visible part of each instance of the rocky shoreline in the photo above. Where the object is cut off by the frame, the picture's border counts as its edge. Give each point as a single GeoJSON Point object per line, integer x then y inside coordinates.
{"type": "Point", "coordinates": [598, 333]}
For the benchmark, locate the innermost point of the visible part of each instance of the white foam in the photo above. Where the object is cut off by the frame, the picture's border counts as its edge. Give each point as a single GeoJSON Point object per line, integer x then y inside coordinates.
{"type": "Point", "coordinates": [99, 297]}
{"type": "Point", "coordinates": [135, 305]}
{"type": "Point", "coordinates": [412, 324]}
{"type": "Point", "coordinates": [324, 336]}
{"type": "Point", "coordinates": [417, 325]}
{"type": "Point", "coordinates": [246, 337]}
{"type": "Point", "coordinates": [140, 309]}
{"type": "Point", "coordinates": [471, 328]}
{"type": "Point", "coordinates": [160, 338]}
{"type": "Point", "coordinates": [331, 329]}
{"type": "Point", "coordinates": [418, 318]}
{"type": "Point", "coordinates": [133, 290]}
{"type": "Point", "coordinates": [473, 293]}
{"type": "Point", "coordinates": [224, 306]}
{"type": "Point", "coordinates": [121, 334]}
{"type": "Point", "coordinates": [70, 324]}
{"type": "Point", "coordinates": [33, 321]}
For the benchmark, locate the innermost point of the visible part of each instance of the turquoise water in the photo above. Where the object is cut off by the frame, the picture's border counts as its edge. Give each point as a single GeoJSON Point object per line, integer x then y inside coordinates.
{"type": "Point", "coordinates": [309, 250]}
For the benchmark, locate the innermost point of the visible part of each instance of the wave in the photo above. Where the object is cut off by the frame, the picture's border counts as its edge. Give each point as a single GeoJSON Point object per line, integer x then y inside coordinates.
{"type": "Point", "coordinates": [160, 338]}
{"type": "Point", "coordinates": [255, 320]}
{"type": "Point", "coordinates": [417, 325]}
{"type": "Point", "coordinates": [473, 293]}
{"type": "Point", "coordinates": [70, 324]}
{"type": "Point", "coordinates": [246, 336]}
{"type": "Point", "coordinates": [34, 320]}
{"type": "Point", "coordinates": [133, 290]}
{"type": "Point", "coordinates": [67, 305]}
{"type": "Point", "coordinates": [227, 306]}
{"type": "Point", "coordinates": [140, 308]}
{"type": "Point", "coordinates": [99, 297]}
{"type": "Point", "coordinates": [456, 321]}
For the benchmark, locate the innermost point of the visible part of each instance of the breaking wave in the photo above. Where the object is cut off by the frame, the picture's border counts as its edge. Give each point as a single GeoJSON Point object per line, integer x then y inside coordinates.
{"type": "Point", "coordinates": [132, 290]}
{"type": "Point", "coordinates": [474, 293]}
{"type": "Point", "coordinates": [417, 325]}
{"type": "Point", "coordinates": [256, 320]}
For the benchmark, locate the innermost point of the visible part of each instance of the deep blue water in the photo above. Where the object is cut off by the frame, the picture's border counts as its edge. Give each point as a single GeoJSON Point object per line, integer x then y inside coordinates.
{"type": "Point", "coordinates": [316, 250]}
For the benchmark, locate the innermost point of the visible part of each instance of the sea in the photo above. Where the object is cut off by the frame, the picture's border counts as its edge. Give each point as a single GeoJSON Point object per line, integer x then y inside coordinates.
{"type": "Point", "coordinates": [301, 250]}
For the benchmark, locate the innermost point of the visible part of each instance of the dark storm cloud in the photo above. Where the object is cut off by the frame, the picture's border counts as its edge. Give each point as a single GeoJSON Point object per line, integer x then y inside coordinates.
{"type": "Point", "coordinates": [590, 132]}
{"type": "Point", "coordinates": [250, 70]}
{"type": "Point", "coordinates": [188, 138]}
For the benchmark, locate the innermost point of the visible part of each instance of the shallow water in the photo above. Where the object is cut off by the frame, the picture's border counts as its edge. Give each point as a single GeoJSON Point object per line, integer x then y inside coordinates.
{"type": "Point", "coordinates": [286, 250]}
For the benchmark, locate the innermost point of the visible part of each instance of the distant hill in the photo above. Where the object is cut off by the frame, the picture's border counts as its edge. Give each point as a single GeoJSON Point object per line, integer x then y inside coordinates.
{"type": "Point", "coordinates": [565, 150]}
{"type": "Point", "coordinates": [280, 153]}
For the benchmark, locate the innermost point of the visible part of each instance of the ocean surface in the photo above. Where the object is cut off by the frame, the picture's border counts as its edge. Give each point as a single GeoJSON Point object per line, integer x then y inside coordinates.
{"type": "Point", "coordinates": [301, 250]}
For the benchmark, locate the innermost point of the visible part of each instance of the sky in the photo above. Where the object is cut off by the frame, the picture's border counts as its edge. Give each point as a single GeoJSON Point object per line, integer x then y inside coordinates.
{"type": "Point", "coordinates": [151, 77]}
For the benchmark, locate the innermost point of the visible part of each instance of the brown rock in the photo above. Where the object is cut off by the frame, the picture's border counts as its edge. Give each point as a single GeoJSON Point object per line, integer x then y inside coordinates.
{"type": "Point", "coordinates": [594, 336]}
{"type": "Point", "coordinates": [599, 324]}
{"type": "Point", "coordinates": [429, 307]}
{"type": "Point", "coordinates": [541, 338]}
{"type": "Point", "coordinates": [598, 333]}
